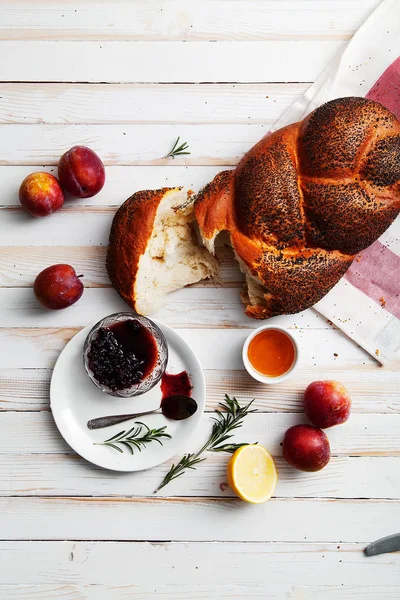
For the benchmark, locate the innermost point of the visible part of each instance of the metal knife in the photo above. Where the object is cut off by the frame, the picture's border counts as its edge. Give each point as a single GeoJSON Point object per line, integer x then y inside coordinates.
{"type": "Point", "coordinates": [391, 543]}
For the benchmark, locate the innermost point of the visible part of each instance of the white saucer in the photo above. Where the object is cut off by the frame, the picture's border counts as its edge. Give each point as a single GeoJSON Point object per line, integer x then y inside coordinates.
{"type": "Point", "coordinates": [74, 399]}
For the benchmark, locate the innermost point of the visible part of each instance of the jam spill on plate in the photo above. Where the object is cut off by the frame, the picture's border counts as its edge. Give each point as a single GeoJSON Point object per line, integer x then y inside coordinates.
{"type": "Point", "coordinates": [177, 384]}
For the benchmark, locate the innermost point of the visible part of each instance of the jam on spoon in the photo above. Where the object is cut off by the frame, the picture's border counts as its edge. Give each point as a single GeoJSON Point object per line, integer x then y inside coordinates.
{"type": "Point", "coordinates": [176, 408]}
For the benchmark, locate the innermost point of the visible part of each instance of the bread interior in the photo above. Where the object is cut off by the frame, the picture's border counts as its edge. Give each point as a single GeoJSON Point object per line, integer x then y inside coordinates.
{"type": "Point", "coordinates": [253, 291]}
{"type": "Point", "coordinates": [173, 256]}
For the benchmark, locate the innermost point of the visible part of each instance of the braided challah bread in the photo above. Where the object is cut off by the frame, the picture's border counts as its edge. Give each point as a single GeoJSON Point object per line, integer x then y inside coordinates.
{"type": "Point", "coordinates": [298, 208]}
{"type": "Point", "coordinates": [304, 201]}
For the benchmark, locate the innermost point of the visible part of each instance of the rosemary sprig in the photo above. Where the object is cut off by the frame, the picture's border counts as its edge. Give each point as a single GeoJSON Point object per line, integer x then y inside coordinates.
{"type": "Point", "coordinates": [133, 440]}
{"type": "Point", "coordinates": [225, 424]}
{"type": "Point", "coordinates": [178, 150]}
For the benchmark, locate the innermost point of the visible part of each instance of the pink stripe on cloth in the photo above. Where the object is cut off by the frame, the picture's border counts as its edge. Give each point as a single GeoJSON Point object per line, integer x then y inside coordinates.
{"type": "Point", "coordinates": [387, 89]}
{"type": "Point", "coordinates": [377, 273]}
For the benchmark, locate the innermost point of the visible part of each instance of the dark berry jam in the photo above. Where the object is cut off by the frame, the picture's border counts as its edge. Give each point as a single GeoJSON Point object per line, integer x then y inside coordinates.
{"type": "Point", "coordinates": [122, 355]}
{"type": "Point", "coordinates": [176, 385]}
{"type": "Point", "coordinates": [178, 408]}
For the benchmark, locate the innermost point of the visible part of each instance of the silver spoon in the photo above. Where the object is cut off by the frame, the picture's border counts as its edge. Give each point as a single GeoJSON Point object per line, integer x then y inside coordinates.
{"type": "Point", "coordinates": [176, 408]}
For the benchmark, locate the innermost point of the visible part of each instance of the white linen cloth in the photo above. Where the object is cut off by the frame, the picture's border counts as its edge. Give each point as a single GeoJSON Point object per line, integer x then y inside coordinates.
{"type": "Point", "coordinates": [365, 304]}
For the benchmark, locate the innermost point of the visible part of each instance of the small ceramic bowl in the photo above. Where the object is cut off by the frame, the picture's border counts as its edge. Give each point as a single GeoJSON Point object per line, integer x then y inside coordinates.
{"type": "Point", "coordinates": [153, 377]}
{"type": "Point", "coordinates": [260, 376]}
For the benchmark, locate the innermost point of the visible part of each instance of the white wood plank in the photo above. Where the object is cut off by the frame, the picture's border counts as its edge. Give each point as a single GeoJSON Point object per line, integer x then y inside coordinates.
{"type": "Point", "coordinates": [24, 389]}
{"type": "Point", "coordinates": [130, 144]}
{"type": "Point", "coordinates": [67, 591]}
{"type": "Point", "coordinates": [196, 520]}
{"type": "Point", "coordinates": [372, 389]}
{"type": "Point", "coordinates": [121, 181]}
{"type": "Point", "coordinates": [129, 103]}
{"type": "Point", "coordinates": [71, 226]}
{"type": "Point", "coordinates": [177, 62]}
{"type": "Point", "coordinates": [207, 564]}
{"type": "Point", "coordinates": [20, 265]}
{"type": "Point", "coordinates": [59, 475]}
{"type": "Point", "coordinates": [208, 307]}
{"type": "Point", "coordinates": [197, 592]}
{"type": "Point", "coordinates": [39, 348]}
{"type": "Point", "coordinates": [349, 593]}
{"type": "Point", "coordinates": [362, 435]}
{"type": "Point", "coordinates": [177, 19]}
{"type": "Point", "coordinates": [68, 227]}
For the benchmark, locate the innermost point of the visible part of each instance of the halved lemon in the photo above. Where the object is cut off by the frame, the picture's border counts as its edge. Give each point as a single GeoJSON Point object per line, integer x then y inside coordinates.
{"type": "Point", "coordinates": [252, 474]}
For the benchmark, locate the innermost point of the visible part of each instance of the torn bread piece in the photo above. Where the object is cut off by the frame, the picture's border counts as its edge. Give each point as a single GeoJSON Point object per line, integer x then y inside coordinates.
{"type": "Point", "coordinates": [153, 248]}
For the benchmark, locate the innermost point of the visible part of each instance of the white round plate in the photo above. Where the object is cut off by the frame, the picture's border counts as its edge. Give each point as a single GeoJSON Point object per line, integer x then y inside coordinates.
{"type": "Point", "coordinates": [74, 399]}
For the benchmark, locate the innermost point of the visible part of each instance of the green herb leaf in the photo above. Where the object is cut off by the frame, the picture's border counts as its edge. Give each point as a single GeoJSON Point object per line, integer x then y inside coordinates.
{"type": "Point", "coordinates": [134, 439]}
{"type": "Point", "coordinates": [178, 150]}
{"type": "Point", "coordinates": [225, 424]}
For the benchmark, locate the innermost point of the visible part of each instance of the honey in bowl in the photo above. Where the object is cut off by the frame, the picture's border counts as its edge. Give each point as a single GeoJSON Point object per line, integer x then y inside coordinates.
{"type": "Point", "coordinates": [271, 352]}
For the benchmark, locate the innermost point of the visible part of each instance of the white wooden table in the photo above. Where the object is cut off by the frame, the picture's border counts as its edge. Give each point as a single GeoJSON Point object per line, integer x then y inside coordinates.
{"type": "Point", "coordinates": [126, 78]}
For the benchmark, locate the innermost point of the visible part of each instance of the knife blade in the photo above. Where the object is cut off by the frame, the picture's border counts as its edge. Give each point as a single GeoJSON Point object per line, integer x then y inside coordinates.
{"type": "Point", "coordinates": [391, 543]}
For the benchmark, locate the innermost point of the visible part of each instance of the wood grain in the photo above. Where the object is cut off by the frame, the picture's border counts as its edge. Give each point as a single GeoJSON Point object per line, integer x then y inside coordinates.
{"type": "Point", "coordinates": [363, 435]}
{"type": "Point", "coordinates": [62, 103]}
{"type": "Point", "coordinates": [212, 306]}
{"type": "Point", "coordinates": [204, 519]}
{"type": "Point", "coordinates": [71, 226]}
{"type": "Point", "coordinates": [19, 266]}
{"type": "Point", "coordinates": [70, 475]}
{"type": "Point", "coordinates": [372, 389]}
{"type": "Point", "coordinates": [166, 62]}
{"type": "Point", "coordinates": [121, 181]}
{"type": "Point", "coordinates": [196, 592]}
{"type": "Point", "coordinates": [40, 347]}
{"type": "Point", "coordinates": [180, 20]}
{"type": "Point", "coordinates": [196, 564]}
{"type": "Point", "coordinates": [129, 144]}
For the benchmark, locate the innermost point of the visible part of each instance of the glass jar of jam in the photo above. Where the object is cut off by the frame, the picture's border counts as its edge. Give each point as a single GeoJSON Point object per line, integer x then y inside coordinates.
{"type": "Point", "coordinates": [125, 354]}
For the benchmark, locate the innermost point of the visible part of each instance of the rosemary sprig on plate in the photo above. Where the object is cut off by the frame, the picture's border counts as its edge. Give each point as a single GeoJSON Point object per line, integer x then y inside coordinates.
{"type": "Point", "coordinates": [133, 439]}
{"type": "Point", "coordinates": [178, 150]}
{"type": "Point", "coordinates": [225, 424]}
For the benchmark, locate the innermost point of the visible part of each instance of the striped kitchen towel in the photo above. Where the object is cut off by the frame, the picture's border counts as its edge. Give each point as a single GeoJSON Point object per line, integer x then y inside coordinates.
{"type": "Point", "coordinates": [365, 303]}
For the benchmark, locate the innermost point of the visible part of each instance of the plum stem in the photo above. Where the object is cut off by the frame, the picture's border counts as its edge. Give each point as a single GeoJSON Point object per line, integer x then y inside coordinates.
{"type": "Point", "coordinates": [80, 275]}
